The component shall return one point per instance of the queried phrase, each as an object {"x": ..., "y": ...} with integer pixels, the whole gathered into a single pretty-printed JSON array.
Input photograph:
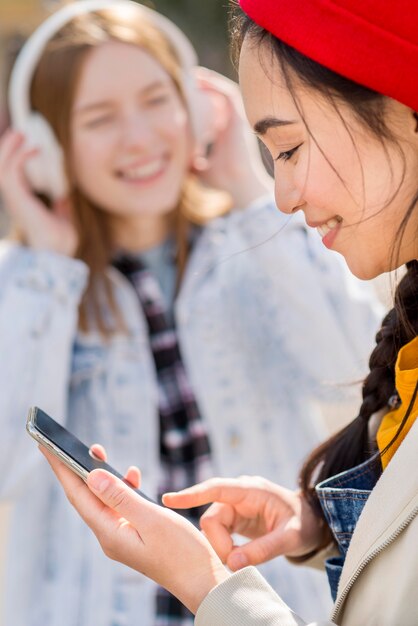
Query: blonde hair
[{"x": 52, "y": 94}]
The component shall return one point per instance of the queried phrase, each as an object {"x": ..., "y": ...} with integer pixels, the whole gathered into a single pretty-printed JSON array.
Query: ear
[{"x": 415, "y": 114}]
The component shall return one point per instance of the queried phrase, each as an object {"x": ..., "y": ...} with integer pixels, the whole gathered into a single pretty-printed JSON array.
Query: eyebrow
[
  {"x": 105, "y": 104},
  {"x": 92, "y": 107},
  {"x": 262, "y": 126}
]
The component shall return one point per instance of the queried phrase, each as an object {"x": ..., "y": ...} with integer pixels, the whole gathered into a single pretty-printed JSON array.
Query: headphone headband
[
  {"x": 46, "y": 171},
  {"x": 29, "y": 56}
]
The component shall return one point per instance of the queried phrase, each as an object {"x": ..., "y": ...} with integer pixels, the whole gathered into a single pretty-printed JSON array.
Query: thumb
[
  {"x": 254, "y": 552},
  {"x": 117, "y": 495}
]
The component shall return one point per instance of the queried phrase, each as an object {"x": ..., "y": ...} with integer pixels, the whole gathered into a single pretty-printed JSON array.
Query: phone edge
[{"x": 51, "y": 447}]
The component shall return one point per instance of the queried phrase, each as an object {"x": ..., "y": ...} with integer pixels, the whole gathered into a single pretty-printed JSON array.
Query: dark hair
[{"x": 350, "y": 446}]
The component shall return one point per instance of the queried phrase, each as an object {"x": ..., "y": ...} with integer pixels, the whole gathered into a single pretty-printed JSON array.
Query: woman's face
[
  {"x": 332, "y": 169},
  {"x": 131, "y": 142}
]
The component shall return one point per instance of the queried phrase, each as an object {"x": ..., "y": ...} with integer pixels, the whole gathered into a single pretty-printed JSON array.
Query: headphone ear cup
[{"x": 45, "y": 171}]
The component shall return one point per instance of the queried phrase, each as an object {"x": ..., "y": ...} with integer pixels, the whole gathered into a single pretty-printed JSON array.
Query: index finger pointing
[{"x": 226, "y": 490}]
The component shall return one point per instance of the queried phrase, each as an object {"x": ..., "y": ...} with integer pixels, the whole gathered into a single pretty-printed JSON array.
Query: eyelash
[
  {"x": 285, "y": 156},
  {"x": 99, "y": 121},
  {"x": 157, "y": 100}
]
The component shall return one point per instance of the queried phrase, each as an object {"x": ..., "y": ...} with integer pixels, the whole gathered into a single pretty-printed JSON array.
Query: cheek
[
  {"x": 328, "y": 179},
  {"x": 169, "y": 122},
  {"x": 174, "y": 127},
  {"x": 91, "y": 171},
  {"x": 180, "y": 147},
  {"x": 316, "y": 188},
  {"x": 88, "y": 156},
  {"x": 180, "y": 135}
]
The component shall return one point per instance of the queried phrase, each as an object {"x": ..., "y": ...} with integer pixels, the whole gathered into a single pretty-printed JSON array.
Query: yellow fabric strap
[{"x": 406, "y": 376}]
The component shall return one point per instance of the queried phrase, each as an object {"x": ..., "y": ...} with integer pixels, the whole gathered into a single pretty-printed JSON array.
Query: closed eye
[
  {"x": 156, "y": 100},
  {"x": 99, "y": 121},
  {"x": 285, "y": 156}
]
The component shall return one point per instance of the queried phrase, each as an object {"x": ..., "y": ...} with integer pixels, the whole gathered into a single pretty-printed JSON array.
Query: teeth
[
  {"x": 143, "y": 171},
  {"x": 332, "y": 223}
]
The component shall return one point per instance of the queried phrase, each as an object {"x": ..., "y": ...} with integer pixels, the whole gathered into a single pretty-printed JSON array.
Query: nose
[
  {"x": 136, "y": 131},
  {"x": 288, "y": 198}
]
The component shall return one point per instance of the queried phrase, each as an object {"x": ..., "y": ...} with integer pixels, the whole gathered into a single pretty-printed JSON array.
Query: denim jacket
[{"x": 269, "y": 324}]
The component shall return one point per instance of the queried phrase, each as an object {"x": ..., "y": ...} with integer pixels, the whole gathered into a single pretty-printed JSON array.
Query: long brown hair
[
  {"x": 53, "y": 90},
  {"x": 350, "y": 446}
]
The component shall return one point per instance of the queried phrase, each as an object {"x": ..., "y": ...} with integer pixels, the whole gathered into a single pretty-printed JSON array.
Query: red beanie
[{"x": 372, "y": 42}]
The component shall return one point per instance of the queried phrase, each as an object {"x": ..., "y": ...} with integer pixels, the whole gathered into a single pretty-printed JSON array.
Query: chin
[{"x": 364, "y": 272}]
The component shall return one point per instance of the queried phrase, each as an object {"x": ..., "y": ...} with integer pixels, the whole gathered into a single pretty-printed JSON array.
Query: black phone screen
[{"x": 73, "y": 447}]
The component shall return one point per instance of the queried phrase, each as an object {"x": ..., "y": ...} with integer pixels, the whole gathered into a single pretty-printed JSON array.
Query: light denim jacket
[{"x": 268, "y": 321}]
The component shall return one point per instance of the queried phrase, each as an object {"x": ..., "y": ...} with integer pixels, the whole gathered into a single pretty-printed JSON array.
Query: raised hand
[
  {"x": 277, "y": 520},
  {"x": 153, "y": 540},
  {"x": 234, "y": 163},
  {"x": 42, "y": 228}
]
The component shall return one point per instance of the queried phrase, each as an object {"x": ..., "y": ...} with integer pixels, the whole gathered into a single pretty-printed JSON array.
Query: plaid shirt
[{"x": 184, "y": 444}]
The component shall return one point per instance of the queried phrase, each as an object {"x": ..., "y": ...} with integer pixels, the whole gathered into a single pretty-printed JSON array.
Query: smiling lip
[
  {"x": 329, "y": 238},
  {"x": 312, "y": 224},
  {"x": 328, "y": 230},
  {"x": 144, "y": 174}
]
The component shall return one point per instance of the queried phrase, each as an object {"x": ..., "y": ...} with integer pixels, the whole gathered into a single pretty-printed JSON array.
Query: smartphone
[{"x": 64, "y": 445}]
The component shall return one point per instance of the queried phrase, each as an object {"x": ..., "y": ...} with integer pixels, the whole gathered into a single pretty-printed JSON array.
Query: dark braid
[{"x": 350, "y": 446}]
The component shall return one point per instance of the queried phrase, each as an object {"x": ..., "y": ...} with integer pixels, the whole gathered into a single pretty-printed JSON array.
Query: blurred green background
[{"x": 205, "y": 23}]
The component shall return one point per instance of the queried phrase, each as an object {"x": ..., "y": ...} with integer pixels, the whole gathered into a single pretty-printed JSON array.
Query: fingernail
[
  {"x": 237, "y": 561},
  {"x": 98, "y": 482}
]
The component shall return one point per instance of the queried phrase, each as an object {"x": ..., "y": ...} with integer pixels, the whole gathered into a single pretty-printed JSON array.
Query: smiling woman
[
  {"x": 131, "y": 141},
  {"x": 147, "y": 303},
  {"x": 322, "y": 171},
  {"x": 115, "y": 117}
]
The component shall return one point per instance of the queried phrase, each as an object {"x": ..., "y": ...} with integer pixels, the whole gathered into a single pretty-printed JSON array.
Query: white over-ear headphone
[{"x": 45, "y": 171}]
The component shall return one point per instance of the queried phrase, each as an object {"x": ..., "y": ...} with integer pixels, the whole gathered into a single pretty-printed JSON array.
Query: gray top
[{"x": 160, "y": 260}]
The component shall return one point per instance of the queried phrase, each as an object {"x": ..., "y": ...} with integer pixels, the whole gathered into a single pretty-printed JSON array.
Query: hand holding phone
[
  {"x": 153, "y": 540},
  {"x": 66, "y": 447}
]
